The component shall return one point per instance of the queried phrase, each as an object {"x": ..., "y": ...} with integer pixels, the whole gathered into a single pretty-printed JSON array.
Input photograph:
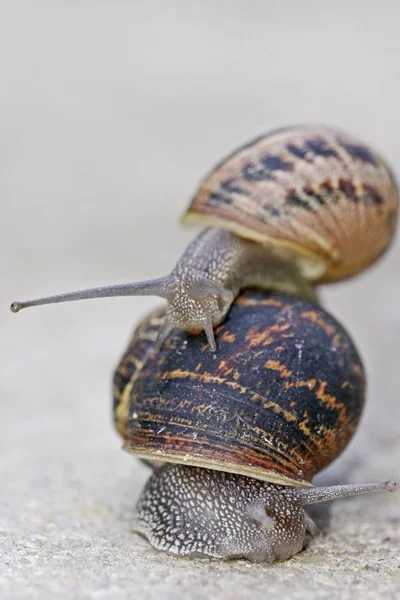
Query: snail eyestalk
[
  {"x": 198, "y": 303},
  {"x": 154, "y": 287},
  {"x": 324, "y": 494},
  {"x": 201, "y": 288},
  {"x": 16, "y": 306}
]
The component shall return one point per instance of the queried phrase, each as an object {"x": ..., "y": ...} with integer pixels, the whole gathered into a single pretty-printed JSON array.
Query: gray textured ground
[{"x": 110, "y": 114}]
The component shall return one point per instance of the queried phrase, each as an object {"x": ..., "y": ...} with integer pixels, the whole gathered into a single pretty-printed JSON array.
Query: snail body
[
  {"x": 215, "y": 267},
  {"x": 296, "y": 207},
  {"x": 236, "y": 439},
  {"x": 193, "y": 512}
]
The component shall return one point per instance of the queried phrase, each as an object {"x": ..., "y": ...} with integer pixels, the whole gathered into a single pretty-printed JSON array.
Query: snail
[
  {"x": 291, "y": 209},
  {"x": 236, "y": 438}
]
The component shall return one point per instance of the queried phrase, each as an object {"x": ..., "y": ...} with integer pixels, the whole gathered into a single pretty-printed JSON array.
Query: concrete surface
[{"x": 111, "y": 112}]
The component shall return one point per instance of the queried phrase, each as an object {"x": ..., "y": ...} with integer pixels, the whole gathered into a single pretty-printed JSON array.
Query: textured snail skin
[
  {"x": 218, "y": 256},
  {"x": 279, "y": 401},
  {"x": 196, "y": 512},
  {"x": 199, "y": 512}
]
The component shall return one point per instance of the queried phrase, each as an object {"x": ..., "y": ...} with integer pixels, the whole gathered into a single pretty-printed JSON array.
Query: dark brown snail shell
[{"x": 279, "y": 402}]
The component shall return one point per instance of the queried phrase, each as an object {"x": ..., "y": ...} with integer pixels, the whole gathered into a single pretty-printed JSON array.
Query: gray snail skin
[
  {"x": 196, "y": 512},
  {"x": 293, "y": 208}
]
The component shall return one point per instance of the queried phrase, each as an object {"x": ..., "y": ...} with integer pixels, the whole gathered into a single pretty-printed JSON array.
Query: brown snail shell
[
  {"x": 311, "y": 191},
  {"x": 280, "y": 401}
]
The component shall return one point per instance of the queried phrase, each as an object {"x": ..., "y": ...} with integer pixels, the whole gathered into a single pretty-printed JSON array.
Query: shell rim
[
  {"x": 314, "y": 269},
  {"x": 260, "y": 474}
]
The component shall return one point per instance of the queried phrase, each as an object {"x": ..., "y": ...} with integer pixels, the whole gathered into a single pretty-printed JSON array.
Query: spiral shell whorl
[
  {"x": 279, "y": 403},
  {"x": 313, "y": 192}
]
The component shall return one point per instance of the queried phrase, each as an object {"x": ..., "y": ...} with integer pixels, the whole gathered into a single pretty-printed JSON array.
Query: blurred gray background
[{"x": 111, "y": 113}]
